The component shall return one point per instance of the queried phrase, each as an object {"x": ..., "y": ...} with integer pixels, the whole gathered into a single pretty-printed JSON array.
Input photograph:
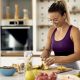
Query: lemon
[
  {"x": 35, "y": 72},
  {"x": 29, "y": 75}
]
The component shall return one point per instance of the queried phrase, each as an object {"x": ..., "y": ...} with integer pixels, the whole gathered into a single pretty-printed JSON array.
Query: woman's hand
[
  {"x": 49, "y": 61},
  {"x": 45, "y": 54}
]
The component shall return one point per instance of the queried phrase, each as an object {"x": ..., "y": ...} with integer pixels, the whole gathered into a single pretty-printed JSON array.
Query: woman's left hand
[{"x": 49, "y": 61}]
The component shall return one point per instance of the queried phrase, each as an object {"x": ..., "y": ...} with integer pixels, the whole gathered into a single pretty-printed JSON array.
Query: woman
[{"x": 63, "y": 38}]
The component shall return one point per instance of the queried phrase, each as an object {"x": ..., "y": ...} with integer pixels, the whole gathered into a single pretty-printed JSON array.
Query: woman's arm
[
  {"x": 47, "y": 50},
  {"x": 75, "y": 36}
]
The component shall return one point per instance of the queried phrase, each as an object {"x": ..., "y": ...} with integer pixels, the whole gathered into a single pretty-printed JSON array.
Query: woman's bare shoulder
[{"x": 75, "y": 31}]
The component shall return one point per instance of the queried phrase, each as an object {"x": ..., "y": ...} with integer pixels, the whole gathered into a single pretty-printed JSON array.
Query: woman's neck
[{"x": 63, "y": 27}]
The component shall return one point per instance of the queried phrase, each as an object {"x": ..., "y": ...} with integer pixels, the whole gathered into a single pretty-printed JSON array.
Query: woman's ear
[{"x": 65, "y": 16}]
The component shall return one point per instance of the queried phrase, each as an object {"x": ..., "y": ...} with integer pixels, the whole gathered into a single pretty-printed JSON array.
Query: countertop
[
  {"x": 36, "y": 61},
  {"x": 16, "y": 76}
]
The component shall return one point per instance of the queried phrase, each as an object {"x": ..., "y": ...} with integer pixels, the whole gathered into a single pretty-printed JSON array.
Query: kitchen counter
[
  {"x": 16, "y": 76},
  {"x": 36, "y": 61},
  {"x": 69, "y": 73}
]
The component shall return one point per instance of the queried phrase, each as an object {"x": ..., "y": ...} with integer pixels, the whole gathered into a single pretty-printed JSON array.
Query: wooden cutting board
[{"x": 56, "y": 70}]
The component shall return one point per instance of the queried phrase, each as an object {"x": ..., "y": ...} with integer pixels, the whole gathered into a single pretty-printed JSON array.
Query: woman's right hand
[{"x": 45, "y": 54}]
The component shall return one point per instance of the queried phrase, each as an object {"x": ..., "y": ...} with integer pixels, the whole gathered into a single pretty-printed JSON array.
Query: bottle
[
  {"x": 25, "y": 14},
  {"x": 28, "y": 60},
  {"x": 16, "y": 15},
  {"x": 7, "y": 12}
]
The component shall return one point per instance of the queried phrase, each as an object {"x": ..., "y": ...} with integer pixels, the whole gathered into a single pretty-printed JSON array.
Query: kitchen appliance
[
  {"x": 12, "y": 22},
  {"x": 16, "y": 39}
]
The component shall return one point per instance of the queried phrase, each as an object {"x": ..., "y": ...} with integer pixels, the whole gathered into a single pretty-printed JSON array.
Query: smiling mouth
[{"x": 56, "y": 22}]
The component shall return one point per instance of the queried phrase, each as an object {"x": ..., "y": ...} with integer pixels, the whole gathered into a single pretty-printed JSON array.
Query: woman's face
[{"x": 57, "y": 19}]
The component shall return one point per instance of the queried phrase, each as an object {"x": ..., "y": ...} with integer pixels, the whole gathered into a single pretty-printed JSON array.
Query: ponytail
[{"x": 63, "y": 2}]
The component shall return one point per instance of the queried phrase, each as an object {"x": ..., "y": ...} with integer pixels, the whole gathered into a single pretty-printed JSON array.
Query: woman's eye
[{"x": 51, "y": 20}]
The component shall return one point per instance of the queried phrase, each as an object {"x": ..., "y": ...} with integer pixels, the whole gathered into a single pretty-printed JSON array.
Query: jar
[{"x": 28, "y": 60}]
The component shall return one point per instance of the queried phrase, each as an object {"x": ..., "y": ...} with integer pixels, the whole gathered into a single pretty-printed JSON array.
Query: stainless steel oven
[{"x": 16, "y": 39}]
